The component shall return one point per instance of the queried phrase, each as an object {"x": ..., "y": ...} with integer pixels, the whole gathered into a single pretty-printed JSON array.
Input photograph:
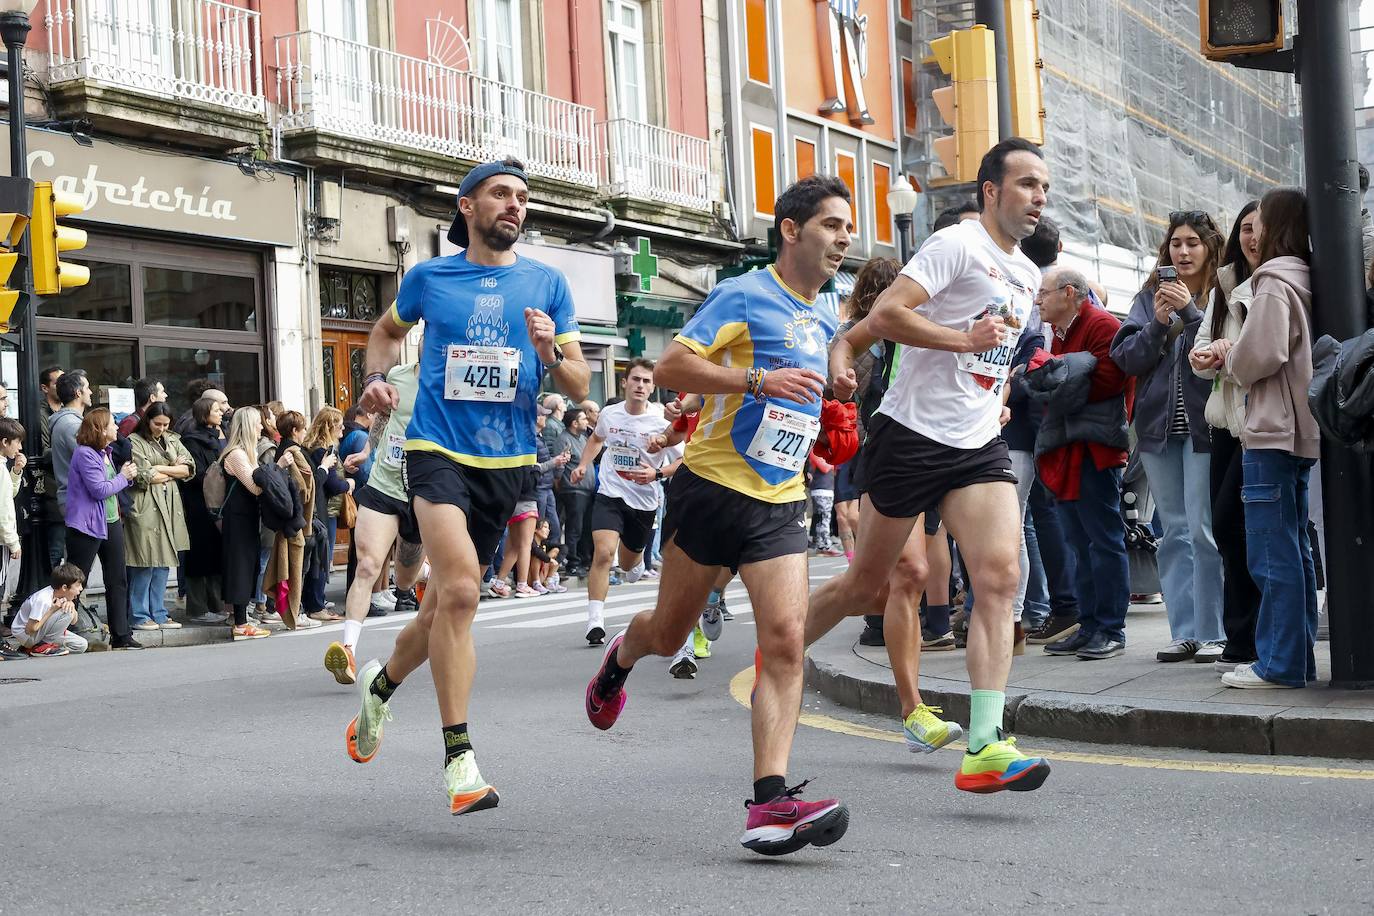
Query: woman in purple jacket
[{"x": 93, "y": 525}]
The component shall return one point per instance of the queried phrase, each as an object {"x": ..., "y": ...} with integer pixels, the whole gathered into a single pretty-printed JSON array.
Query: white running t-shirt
[
  {"x": 956, "y": 398},
  {"x": 627, "y": 437}
]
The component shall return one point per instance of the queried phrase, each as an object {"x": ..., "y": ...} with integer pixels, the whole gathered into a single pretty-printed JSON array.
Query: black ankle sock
[
  {"x": 456, "y": 741},
  {"x": 612, "y": 675},
  {"x": 383, "y": 686},
  {"x": 937, "y": 619},
  {"x": 768, "y": 788}
]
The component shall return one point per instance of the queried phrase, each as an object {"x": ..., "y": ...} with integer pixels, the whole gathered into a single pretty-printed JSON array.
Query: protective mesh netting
[{"x": 1138, "y": 123}]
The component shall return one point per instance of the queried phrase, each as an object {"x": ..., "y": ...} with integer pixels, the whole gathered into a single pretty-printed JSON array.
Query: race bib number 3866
[
  {"x": 784, "y": 438},
  {"x": 481, "y": 373}
]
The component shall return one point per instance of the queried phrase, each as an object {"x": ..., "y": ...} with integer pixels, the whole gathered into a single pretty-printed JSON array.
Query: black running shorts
[
  {"x": 718, "y": 526},
  {"x": 487, "y": 496},
  {"x": 635, "y": 526},
  {"x": 377, "y": 501},
  {"x": 904, "y": 474}
]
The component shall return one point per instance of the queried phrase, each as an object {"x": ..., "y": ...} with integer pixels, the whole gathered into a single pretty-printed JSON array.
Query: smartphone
[{"x": 1168, "y": 273}]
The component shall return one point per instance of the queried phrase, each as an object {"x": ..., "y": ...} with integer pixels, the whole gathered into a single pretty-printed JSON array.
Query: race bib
[
  {"x": 481, "y": 373},
  {"x": 622, "y": 458},
  {"x": 784, "y": 438},
  {"x": 992, "y": 367},
  {"x": 395, "y": 450}
]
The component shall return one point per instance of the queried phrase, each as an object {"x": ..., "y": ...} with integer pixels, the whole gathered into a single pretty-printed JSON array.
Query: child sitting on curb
[{"x": 41, "y": 625}]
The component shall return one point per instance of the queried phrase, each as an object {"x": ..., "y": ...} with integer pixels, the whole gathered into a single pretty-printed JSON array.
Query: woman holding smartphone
[{"x": 1173, "y": 433}]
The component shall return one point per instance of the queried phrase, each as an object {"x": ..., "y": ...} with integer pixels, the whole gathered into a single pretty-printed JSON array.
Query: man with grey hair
[
  {"x": 1080, "y": 453},
  {"x": 553, "y": 420}
]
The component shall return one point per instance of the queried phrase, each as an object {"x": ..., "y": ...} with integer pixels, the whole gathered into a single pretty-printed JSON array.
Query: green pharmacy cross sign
[{"x": 644, "y": 264}]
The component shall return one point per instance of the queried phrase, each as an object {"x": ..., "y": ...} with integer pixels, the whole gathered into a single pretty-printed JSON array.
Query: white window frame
[
  {"x": 342, "y": 88},
  {"x": 618, "y": 35},
  {"x": 485, "y": 13}
]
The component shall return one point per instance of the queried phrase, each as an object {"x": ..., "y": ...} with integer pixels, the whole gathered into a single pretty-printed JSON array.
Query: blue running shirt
[
  {"x": 758, "y": 449},
  {"x": 479, "y": 373}
]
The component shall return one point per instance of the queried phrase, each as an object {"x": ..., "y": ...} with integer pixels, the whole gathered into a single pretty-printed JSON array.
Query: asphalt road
[{"x": 214, "y": 779}]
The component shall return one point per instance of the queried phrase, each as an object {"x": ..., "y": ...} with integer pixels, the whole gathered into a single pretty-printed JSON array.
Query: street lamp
[
  {"x": 901, "y": 200},
  {"x": 14, "y": 31}
]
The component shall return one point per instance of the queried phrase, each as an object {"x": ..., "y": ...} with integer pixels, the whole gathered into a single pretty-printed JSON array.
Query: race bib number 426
[
  {"x": 481, "y": 373},
  {"x": 784, "y": 438}
]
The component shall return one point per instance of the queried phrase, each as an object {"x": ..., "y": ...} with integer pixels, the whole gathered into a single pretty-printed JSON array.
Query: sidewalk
[{"x": 1132, "y": 699}]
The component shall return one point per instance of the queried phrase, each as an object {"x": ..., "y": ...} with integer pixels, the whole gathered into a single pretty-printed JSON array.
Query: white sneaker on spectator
[
  {"x": 1210, "y": 651},
  {"x": 305, "y": 623},
  {"x": 1245, "y": 677},
  {"x": 384, "y": 599}
]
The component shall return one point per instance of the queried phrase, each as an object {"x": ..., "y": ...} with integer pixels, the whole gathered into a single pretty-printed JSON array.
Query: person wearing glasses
[{"x": 1171, "y": 426}]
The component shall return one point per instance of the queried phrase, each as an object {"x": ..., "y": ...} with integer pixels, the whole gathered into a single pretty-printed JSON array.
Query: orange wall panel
[
  {"x": 845, "y": 170},
  {"x": 756, "y": 38},
  {"x": 882, "y": 214},
  {"x": 909, "y": 96},
  {"x": 906, "y": 9},
  {"x": 800, "y": 35},
  {"x": 765, "y": 182},
  {"x": 805, "y": 155}
]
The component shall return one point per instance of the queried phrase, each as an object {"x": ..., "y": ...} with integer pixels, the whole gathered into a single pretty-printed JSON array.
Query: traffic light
[
  {"x": 1023, "y": 70},
  {"x": 48, "y": 241},
  {"x": 970, "y": 105},
  {"x": 1234, "y": 28},
  {"x": 16, "y": 199}
]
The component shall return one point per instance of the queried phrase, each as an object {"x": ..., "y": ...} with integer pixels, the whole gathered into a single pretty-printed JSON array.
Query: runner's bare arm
[
  {"x": 589, "y": 453},
  {"x": 383, "y": 353},
  {"x": 857, "y": 339},
  {"x": 894, "y": 318},
  {"x": 572, "y": 375},
  {"x": 684, "y": 370},
  {"x": 670, "y": 436}
]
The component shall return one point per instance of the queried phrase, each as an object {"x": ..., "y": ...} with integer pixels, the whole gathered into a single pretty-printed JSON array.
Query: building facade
[{"x": 261, "y": 173}]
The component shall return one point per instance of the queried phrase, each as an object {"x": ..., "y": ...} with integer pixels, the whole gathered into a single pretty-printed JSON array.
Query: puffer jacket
[
  {"x": 1146, "y": 349},
  {"x": 1062, "y": 384},
  {"x": 1226, "y": 405}
]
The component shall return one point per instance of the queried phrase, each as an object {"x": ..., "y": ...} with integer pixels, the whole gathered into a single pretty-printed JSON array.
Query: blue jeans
[
  {"x": 261, "y": 596},
  {"x": 147, "y": 593},
  {"x": 1094, "y": 527},
  {"x": 1280, "y": 559},
  {"x": 1037, "y": 607},
  {"x": 1190, "y": 572},
  {"x": 1057, "y": 559}
]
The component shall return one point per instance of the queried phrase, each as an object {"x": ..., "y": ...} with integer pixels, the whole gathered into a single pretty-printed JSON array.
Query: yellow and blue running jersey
[{"x": 758, "y": 448}]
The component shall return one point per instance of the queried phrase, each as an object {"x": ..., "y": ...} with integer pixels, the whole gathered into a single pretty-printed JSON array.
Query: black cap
[{"x": 458, "y": 232}]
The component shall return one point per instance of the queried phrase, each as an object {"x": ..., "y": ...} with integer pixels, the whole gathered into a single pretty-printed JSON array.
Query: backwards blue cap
[{"x": 458, "y": 232}]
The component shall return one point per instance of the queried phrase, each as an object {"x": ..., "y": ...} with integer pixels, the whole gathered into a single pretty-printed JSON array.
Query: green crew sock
[{"x": 985, "y": 718}]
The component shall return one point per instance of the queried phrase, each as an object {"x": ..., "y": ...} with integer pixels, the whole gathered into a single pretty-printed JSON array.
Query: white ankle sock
[
  {"x": 352, "y": 630},
  {"x": 595, "y": 610}
]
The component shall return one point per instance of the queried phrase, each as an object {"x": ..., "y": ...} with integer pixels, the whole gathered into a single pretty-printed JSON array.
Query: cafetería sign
[{"x": 124, "y": 186}]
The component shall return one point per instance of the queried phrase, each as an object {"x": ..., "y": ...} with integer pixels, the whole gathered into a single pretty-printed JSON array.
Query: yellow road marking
[{"x": 741, "y": 684}]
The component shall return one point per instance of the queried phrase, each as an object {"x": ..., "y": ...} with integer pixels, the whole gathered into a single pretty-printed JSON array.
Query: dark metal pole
[
  {"x": 1333, "y": 200},
  {"x": 993, "y": 14},
  {"x": 904, "y": 236},
  {"x": 14, "y": 30}
]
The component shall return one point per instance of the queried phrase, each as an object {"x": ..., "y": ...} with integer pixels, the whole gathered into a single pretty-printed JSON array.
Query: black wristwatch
[
  {"x": 658, "y": 473},
  {"x": 557, "y": 359}
]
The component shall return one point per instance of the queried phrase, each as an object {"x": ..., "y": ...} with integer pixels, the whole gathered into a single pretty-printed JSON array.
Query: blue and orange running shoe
[{"x": 1000, "y": 766}]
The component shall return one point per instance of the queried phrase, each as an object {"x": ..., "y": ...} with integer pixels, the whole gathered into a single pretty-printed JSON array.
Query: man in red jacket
[{"x": 1085, "y": 475}]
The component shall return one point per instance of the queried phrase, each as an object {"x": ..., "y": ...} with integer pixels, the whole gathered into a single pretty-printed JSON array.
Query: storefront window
[
  {"x": 235, "y": 372},
  {"x": 108, "y": 297},
  {"x": 190, "y": 299},
  {"x": 107, "y": 362}
]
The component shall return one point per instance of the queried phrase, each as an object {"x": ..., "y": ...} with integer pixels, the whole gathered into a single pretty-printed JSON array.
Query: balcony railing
[
  {"x": 198, "y": 50},
  {"x": 652, "y": 163},
  {"x": 355, "y": 90}
]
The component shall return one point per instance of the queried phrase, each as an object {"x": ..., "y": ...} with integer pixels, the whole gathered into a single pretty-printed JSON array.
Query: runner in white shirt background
[
  {"x": 958, "y": 309},
  {"x": 628, "y": 489}
]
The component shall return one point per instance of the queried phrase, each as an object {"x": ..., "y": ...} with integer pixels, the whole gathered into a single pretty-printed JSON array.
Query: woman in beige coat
[
  {"x": 283, "y": 578},
  {"x": 155, "y": 528}
]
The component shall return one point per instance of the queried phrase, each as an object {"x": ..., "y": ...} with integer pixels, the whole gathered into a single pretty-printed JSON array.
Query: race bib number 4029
[
  {"x": 481, "y": 373},
  {"x": 784, "y": 438}
]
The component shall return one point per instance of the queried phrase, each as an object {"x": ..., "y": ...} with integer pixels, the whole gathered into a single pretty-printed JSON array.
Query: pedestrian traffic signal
[
  {"x": 970, "y": 104},
  {"x": 48, "y": 241},
  {"x": 16, "y": 200},
  {"x": 1234, "y": 28},
  {"x": 1023, "y": 70}
]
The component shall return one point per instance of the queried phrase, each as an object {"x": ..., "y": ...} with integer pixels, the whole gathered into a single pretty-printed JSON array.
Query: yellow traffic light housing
[
  {"x": 48, "y": 241},
  {"x": 1023, "y": 70},
  {"x": 970, "y": 104},
  {"x": 1236, "y": 28},
  {"x": 16, "y": 199}
]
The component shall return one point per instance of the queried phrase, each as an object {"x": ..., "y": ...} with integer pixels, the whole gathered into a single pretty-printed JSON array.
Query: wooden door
[{"x": 345, "y": 366}]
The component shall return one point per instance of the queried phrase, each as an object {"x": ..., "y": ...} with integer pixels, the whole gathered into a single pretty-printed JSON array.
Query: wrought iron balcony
[
  {"x": 642, "y": 161},
  {"x": 342, "y": 87}
]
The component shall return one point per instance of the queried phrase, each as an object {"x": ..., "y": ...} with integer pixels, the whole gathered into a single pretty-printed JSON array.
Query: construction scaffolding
[{"x": 1138, "y": 123}]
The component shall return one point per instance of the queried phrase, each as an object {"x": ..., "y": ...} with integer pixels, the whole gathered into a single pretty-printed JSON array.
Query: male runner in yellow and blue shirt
[{"x": 757, "y": 351}]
